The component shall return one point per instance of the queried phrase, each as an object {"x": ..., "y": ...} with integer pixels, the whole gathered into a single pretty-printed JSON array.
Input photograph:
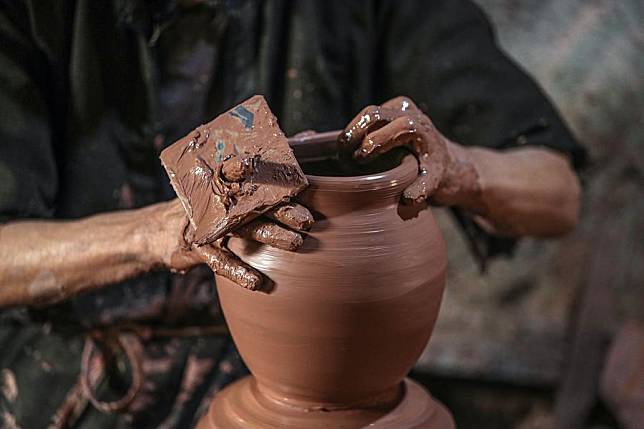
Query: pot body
[{"x": 344, "y": 318}]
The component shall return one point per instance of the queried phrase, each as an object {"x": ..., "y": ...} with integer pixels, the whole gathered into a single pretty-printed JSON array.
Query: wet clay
[
  {"x": 244, "y": 407},
  {"x": 346, "y": 316},
  {"x": 232, "y": 169}
]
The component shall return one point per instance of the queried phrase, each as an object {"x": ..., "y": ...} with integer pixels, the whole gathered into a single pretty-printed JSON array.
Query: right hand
[
  {"x": 173, "y": 239},
  {"x": 444, "y": 172}
]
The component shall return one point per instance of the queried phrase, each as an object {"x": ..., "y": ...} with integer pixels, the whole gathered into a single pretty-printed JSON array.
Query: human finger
[
  {"x": 293, "y": 215},
  {"x": 270, "y": 233},
  {"x": 424, "y": 186},
  {"x": 398, "y": 132},
  {"x": 369, "y": 119},
  {"x": 402, "y": 103},
  {"x": 226, "y": 264}
]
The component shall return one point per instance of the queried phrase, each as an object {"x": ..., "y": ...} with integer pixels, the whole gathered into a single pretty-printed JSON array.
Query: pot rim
[
  {"x": 400, "y": 176},
  {"x": 319, "y": 146}
]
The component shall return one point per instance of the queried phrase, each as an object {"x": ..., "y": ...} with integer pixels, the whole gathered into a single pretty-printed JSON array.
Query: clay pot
[{"x": 344, "y": 319}]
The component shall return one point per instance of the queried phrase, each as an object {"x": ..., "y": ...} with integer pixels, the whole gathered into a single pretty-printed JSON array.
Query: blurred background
[
  {"x": 558, "y": 328},
  {"x": 555, "y": 333}
]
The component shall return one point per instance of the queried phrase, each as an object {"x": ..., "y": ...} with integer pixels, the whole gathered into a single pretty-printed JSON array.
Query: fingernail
[
  {"x": 360, "y": 153},
  {"x": 306, "y": 223},
  {"x": 297, "y": 242},
  {"x": 286, "y": 240},
  {"x": 250, "y": 281}
]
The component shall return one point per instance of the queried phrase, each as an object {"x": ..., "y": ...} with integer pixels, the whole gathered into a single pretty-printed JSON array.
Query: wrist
[
  {"x": 155, "y": 235},
  {"x": 460, "y": 185}
]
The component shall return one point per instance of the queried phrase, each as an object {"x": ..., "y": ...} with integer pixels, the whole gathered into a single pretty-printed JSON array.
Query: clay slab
[{"x": 247, "y": 140}]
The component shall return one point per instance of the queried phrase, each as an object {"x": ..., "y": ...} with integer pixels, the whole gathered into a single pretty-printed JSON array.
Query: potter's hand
[
  {"x": 57, "y": 260},
  {"x": 179, "y": 254},
  {"x": 502, "y": 189},
  {"x": 399, "y": 122}
]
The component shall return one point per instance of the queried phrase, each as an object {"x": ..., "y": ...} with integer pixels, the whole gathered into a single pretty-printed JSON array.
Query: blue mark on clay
[
  {"x": 219, "y": 154},
  {"x": 244, "y": 115}
]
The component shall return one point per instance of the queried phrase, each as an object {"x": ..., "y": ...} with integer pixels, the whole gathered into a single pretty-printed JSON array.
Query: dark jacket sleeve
[
  {"x": 28, "y": 172},
  {"x": 444, "y": 55}
]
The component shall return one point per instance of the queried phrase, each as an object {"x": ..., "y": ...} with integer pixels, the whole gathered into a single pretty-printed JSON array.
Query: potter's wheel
[{"x": 242, "y": 406}]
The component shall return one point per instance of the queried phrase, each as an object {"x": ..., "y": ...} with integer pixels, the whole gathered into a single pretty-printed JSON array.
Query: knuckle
[
  {"x": 396, "y": 101},
  {"x": 371, "y": 113},
  {"x": 371, "y": 109},
  {"x": 404, "y": 103},
  {"x": 370, "y": 143},
  {"x": 402, "y": 100}
]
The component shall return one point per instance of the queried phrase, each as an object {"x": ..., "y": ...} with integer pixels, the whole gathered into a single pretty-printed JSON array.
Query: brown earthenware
[{"x": 343, "y": 320}]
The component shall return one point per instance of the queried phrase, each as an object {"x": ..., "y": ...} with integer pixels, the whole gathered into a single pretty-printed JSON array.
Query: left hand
[
  {"x": 399, "y": 122},
  {"x": 280, "y": 227}
]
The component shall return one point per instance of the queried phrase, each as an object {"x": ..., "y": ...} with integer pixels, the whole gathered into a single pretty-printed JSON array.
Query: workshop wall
[{"x": 517, "y": 322}]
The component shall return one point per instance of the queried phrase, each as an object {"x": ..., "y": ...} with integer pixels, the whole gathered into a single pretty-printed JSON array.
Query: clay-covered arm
[
  {"x": 48, "y": 261},
  {"x": 526, "y": 191}
]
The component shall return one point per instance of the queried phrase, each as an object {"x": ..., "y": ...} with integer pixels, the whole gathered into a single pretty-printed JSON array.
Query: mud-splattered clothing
[{"x": 92, "y": 91}]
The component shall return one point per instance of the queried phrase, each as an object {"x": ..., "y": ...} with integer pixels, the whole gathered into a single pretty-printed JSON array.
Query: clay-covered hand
[
  {"x": 442, "y": 168},
  {"x": 281, "y": 227}
]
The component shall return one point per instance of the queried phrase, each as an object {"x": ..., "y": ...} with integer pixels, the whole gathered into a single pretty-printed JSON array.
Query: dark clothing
[{"x": 92, "y": 91}]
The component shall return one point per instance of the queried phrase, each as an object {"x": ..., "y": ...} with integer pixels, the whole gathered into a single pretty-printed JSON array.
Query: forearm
[
  {"x": 525, "y": 191},
  {"x": 48, "y": 261}
]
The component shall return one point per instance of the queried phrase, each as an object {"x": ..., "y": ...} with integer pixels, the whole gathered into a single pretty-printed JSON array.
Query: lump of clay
[{"x": 232, "y": 169}]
